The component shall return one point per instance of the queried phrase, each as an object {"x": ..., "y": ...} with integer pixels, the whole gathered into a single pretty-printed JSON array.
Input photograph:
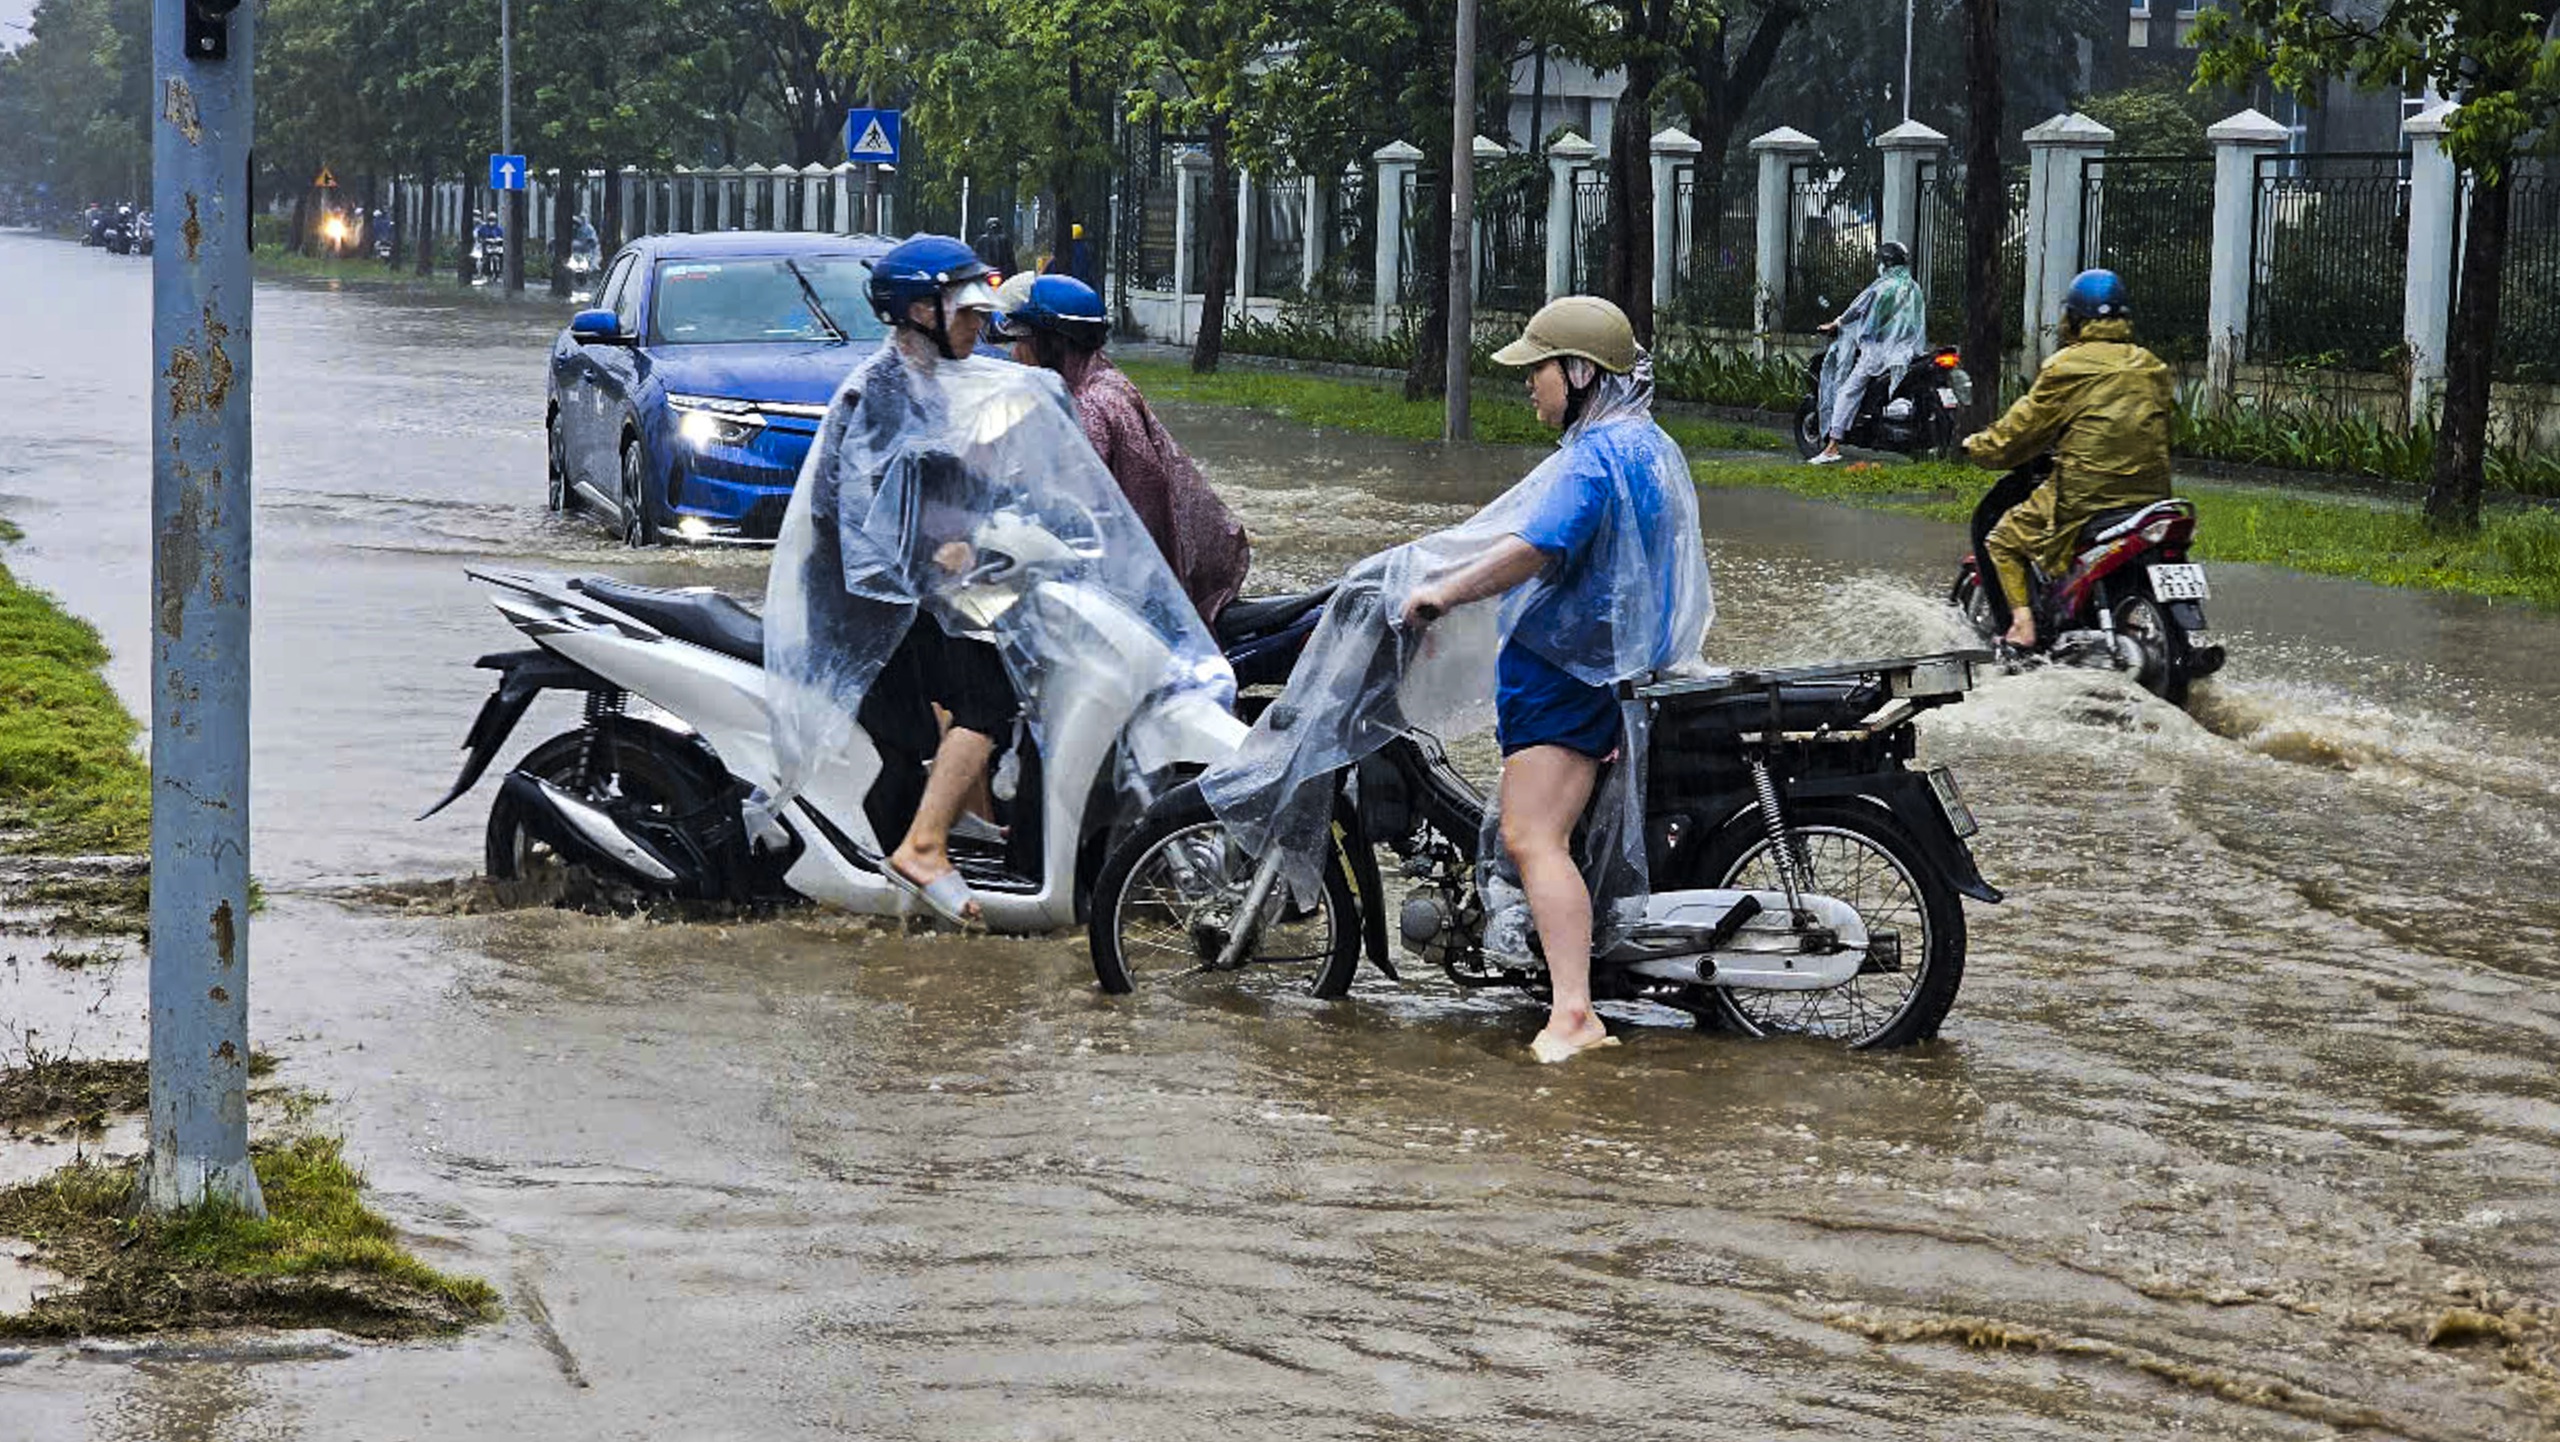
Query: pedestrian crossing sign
[{"x": 871, "y": 136}]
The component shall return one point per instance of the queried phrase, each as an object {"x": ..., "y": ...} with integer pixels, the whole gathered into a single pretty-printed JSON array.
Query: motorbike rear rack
[{"x": 1914, "y": 683}]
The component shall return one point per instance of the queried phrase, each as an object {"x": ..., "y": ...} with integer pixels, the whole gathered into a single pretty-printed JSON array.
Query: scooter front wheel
[{"x": 1165, "y": 907}]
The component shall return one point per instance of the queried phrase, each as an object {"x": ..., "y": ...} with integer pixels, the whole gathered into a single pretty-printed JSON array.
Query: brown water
[{"x": 2248, "y": 1087}]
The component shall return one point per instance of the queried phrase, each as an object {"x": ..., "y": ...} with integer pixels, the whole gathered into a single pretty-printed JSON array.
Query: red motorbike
[{"x": 2131, "y": 601}]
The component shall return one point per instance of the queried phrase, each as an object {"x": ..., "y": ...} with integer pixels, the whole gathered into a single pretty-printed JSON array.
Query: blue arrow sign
[
  {"x": 506, "y": 172},
  {"x": 871, "y": 136}
]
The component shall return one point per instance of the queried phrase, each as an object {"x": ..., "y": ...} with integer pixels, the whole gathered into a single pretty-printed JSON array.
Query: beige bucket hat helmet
[{"x": 1576, "y": 325}]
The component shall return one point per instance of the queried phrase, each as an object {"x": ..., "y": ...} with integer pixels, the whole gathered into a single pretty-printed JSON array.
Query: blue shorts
[{"x": 1538, "y": 703}]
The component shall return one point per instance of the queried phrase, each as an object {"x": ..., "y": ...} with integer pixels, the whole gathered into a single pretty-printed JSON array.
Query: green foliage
[
  {"x": 2158, "y": 118},
  {"x": 74, "y": 102},
  {"x": 1690, "y": 370},
  {"x": 70, "y": 781},
  {"x": 2334, "y": 441}
]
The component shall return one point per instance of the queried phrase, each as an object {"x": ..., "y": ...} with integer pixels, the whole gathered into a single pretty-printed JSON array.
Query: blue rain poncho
[
  {"x": 1881, "y": 333},
  {"x": 1363, "y": 680},
  {"x": 915, "y": 457}
]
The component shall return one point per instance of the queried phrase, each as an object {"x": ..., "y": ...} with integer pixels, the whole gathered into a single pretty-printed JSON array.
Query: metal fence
[
  {"x": 1715, "y": 256},
  {"x": 2329, "y": 251},
  {"x": 1940, "y": 263},
  {"x": 1418, "y": 192},
  {"x": 1348, "y": 267},
  {"x": 1511, "y": 240},
  {"x": 2529, "y": 293},
  {"x": 2149, "y": 218},
  {"x": 1590, "y": 230},
  {"x": 1831, "y": 246}
]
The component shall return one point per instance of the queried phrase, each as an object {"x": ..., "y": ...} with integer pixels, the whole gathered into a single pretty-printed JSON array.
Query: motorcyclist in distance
[
  {"x": 2101, "y": 405},
  {"x": 1882, "y": 331}
]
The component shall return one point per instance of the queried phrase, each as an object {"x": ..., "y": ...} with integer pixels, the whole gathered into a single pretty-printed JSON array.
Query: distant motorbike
[
  {"x": 1808, "y": 881},
  {"x": 93, "y": 225},
  {"x": 1918, "y": 417},
  {"x": 488, "y": 253},
  {"x": 117, "y": 232},
  {"x": 142, "y": 237},
  {"x": 654, "y": 805},
  {"x": 2131, "y": 602}
]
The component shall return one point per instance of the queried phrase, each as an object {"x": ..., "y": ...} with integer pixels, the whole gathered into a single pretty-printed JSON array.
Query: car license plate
[
  {"x": 1951, "y": 801},
  {"x": 2179, "y": 583},
  {"x": 1947, "y": 397}
]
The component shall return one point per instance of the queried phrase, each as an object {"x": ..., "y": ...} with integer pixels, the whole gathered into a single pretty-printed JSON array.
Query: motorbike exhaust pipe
[{"x": 583, "y": 832}]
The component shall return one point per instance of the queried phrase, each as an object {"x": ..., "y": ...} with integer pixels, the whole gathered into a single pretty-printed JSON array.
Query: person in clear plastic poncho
[
  {"x": 1600, "y": 576},
  {"x": 1881, "y": 333},
  {"x": 879, "y": 598}
]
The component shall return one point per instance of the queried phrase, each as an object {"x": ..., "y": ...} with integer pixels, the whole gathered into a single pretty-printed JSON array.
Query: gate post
[
  {"x": 1670, "y": 148},
  {"x": 2238, "y": 141},
  {"x": 2434, "y": 199},
  {"x": 1777, "y": 150},
  {"x": 1906, "y": 148},
  {"x": 1247, "y": 274},
  {"x": 1565, "y": 159},
  {"x": 1186, "y": 167},
  {"x": 1396, "y": 160},
  {"x": 2058, "y": 154}
]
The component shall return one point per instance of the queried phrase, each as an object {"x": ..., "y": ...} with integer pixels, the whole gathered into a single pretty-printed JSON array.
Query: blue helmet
[
  {"x": 919, "y": 268},
  {"x": 1064, "y": 306},
  {"x": 2096, "y": 295}
]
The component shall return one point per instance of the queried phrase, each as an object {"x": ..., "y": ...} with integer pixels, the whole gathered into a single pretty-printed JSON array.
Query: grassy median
[
  {"x": 71, "y": 782},
  {"x": 2381, "y": 538}
]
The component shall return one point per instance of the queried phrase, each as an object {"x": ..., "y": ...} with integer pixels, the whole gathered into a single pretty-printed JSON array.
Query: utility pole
[
  {"x": 515, "y": 199},
  {"x": 201, "y": 53},
  {"x": 1906, "y": 59},
  {"x": 1460, "y": 425}
]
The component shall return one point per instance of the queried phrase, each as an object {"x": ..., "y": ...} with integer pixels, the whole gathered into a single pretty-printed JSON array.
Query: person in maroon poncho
[{"x": 1060, "y": 325}]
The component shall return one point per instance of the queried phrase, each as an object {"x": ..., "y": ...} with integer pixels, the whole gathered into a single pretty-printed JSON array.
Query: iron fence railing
[
  {"x": 1348, "y": 269},
  {"x": 2329, "y": 259},
  {"x": 1714, "y": 262},
  {"x": 1511, "y": 244},
  {"x": 1590, "y": 231},
  {"x": 2528, "y": 347},
  {"x": 1831, "y": 246},
  {"x": 2149, "y": 218},
  {"x": 1279, "y": 231},
  {"x": 1418, "y": 193},
  {"x": 1940, "y": 261}
]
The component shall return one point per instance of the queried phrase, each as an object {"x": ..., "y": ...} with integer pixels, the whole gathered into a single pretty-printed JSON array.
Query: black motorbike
[
  {"x": 1807, "y": 881},
  {"x": 117, "y": 233},
  {"x": 1921, "y": 416}
]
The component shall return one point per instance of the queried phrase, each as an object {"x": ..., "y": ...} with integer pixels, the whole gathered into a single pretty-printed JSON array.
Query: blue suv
[{"x": 683, "y": 404}]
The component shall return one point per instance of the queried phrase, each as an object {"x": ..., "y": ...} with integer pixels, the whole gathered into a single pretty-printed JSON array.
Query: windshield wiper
[{"x": 817, "y": 307}]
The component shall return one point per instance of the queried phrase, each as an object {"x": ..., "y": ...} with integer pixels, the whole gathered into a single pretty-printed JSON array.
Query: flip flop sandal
[
  {"x": 1549, "y": 1051},
  {"x": 947, "y": 896}
]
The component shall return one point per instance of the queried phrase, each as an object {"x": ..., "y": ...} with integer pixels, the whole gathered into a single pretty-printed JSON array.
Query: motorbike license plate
[
  {"x": 1942, "y": 782},
  {"x": 2179, "y": 583},
  {"x": 1947, "y": 397}
]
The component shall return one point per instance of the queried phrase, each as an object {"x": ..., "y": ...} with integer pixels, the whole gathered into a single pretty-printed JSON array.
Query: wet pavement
[{"x": 2247, "y": 1095}]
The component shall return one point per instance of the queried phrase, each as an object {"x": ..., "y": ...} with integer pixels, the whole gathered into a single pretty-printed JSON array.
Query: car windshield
[{"x": 714, "y": 302}]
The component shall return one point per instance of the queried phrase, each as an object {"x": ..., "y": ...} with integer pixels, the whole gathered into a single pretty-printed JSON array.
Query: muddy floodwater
[{"x": 2245, "y": 1125}]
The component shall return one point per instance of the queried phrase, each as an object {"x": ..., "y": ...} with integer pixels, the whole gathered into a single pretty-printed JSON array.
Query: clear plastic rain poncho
[
  {"x": 1363, "y": 679},
  {"x": 1888, "y": 322},
  {"x": 913, "y": 457}
]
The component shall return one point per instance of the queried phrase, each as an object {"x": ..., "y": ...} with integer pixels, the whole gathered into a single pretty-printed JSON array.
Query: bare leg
[
  {"x": 959, "y": 767},
  {"x": 1544, "y": 789},
  {"x": 981, "y": 800}
]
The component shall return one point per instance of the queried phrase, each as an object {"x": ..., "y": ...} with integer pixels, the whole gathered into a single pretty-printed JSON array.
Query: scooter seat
[
  {"x": 2124, "y": 520},
  {"x": 695, "y": 614},
  {"x": 1245, "y": 619}
]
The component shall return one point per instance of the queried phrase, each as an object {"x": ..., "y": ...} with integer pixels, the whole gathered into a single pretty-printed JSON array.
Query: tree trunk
[
  {"x": 610, "y": 239},
  {"x": 1627, "y": 276},
  {"x": 1427, "y": 373},
  {"x": 564, "y": 201},
  {"x": 1986, "y": 211},
  {"x": 1212, "y": 339},
  {"x": 295, "y": 241},
  {"x": 1726, "y": 88},
  {"x": 2462, "y": 450},
  {"x": 426, "y": 219}
]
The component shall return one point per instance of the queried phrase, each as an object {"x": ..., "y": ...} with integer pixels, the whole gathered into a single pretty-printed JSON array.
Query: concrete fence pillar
[
  {"x": 1671, "y": 149},
  {"x": 2435, "y": 202},
  {"x": 2058, "y": 154},
  {"x": 1778, "y": 152},
  {"x": 1565, "y": 161},
  {"x": 1396, "y": 161},
  {"x": 1248, "y": 270},
  {"x": 1310, "y": 233},
  {"x": 2238, "y": 141},
  {"x": 1188, "y": 168},
  {"x": 844, "y": 199},
  {"x": 813, "y": 182},
  {"x": 1906, "y": 148}
]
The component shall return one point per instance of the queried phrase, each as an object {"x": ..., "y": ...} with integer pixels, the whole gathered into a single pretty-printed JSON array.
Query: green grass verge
[
  {"x": 2515, "y": 556},
  {"x": 1377, "y": 409},
  {"x": 319, "y": 1258},
  {"x": 70, "y": 779}
]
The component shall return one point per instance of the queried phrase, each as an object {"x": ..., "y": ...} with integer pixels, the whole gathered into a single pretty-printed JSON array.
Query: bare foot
[
  {"x": 924, "y": 869},
  {"x": 2022, "y": 632}
]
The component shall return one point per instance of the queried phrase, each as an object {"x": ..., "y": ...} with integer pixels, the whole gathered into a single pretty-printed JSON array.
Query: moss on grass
[
  {"x": 47, "y": 1093},
  {"x": 70, "y": 780},
  {"x": 319, "y": 1258},
  {"x": 1377, "y": 409}
]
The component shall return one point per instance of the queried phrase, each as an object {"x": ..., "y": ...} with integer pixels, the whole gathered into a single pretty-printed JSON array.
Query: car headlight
[{"x": 707, "y": 421}]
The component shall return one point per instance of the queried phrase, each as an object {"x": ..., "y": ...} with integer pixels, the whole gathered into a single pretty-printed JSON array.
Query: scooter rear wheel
[
  {"x": 1165, "y": 898},
  {"x": 2167, "y": 668},
  {"x": 1808, "y": 429},
  {"x": 649, "y": 772}
]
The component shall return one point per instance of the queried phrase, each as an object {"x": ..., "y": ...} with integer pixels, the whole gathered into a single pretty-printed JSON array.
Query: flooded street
[{"x": 2244, "y": 1125}]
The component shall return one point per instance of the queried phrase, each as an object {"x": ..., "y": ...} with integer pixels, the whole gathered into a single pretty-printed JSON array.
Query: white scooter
[{"x": 652, "y": 797}]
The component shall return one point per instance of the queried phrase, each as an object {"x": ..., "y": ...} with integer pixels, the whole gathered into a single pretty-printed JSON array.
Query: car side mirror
[{"x": 597, "y": 327}]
